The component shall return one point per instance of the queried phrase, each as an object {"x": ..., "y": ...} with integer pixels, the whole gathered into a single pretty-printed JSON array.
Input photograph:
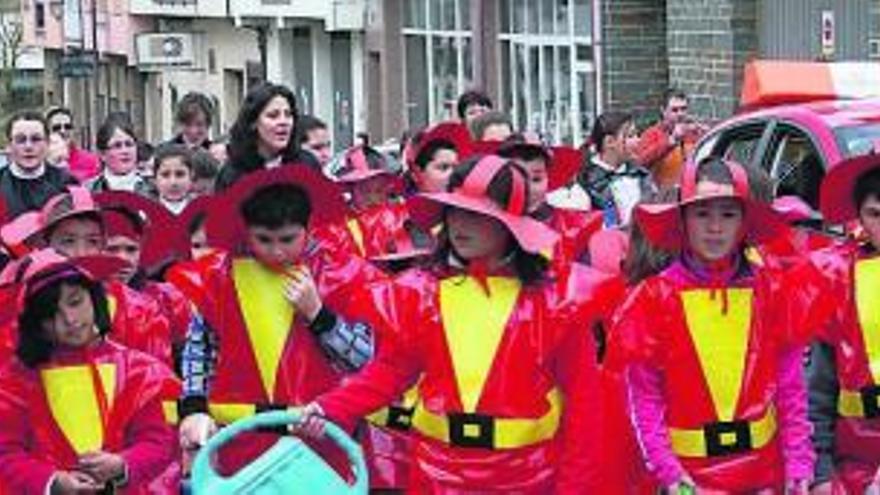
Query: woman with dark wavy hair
[{"x": 262, "y": 136}]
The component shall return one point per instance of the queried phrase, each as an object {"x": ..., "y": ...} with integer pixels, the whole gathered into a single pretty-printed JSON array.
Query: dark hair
[
  {"x": 674, "y": 93},
  {"x": 643, "y": 259},
  {"x": 306, "y": 124},
  {"x": 243, "y": 136},
  {"x": 28, "y": 115},
  {"x": 426, "y": 154},
  {"x": 867, "y": 186},
  {"x": 167, "y": 151},
  {"x": 92, "y": 216},
  {"x": 469, "y": 98},
  {"x": 196, "y": 222},
  {"x": 204, "y": 165},
  {"x": 530, "y": 268},
  {"x": 111, "y": 124},
  {"x": 375, "y": 161},
  {"x": 607, "y": 124},
  {"x": 714, "y": 169},
  {"x": 517, "y": 146},
  {"x": 58, "y": 111},
  {"x": 145, "y": 151},
  {"x": 277, "y": 205},
  {"x": 191, "y": 105},
  {"x": 488, "y": 119},
  {"x": 33, "y": 347}
]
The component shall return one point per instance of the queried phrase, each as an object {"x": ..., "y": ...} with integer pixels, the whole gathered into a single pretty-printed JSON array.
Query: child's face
[
  {"x": 173, "y": 179},
  {"x": 714, "y": 227},
  {"x": 129, "y": 250},
  {"x": 75, "y": 237},
  {"x": 198, "y": 243},
  {"x": 435, "y": 176},
  {"x": 279, "y": 247},
  {"x": 538, "y": 181},
  {"x": 476, "y": 236},
  {"x": 869, "y": 216},
  {"x": 371, "y": 192},
  {"x": 74, "y": 323}
]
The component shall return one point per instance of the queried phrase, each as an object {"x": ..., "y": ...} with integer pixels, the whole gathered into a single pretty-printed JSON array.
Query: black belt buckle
[
  {"x": 871, "y": 401},
  {"x": 727, "y": 437},
  {"x": 269, "y": 407},
  {"x": 400, "y": 418},
  {"x": 471, "y": 430}
]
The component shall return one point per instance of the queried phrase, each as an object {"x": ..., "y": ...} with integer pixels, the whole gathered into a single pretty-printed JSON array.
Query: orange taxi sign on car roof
[{"x": 776, "y": 82}]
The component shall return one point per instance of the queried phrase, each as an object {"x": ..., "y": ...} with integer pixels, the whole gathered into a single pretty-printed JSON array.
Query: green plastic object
[{"x": 289, "y": 467}]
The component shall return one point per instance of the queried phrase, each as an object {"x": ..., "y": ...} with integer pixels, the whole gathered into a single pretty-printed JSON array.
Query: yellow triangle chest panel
[
  {"x": 268, "y": 315},
  {"x": 73, "y": 402},
  {"x": 867, "y": 282},
  {"x": 474, "y": 324},
  {"x": 721, "y": 342},
  {"x": 357, "y": 234}
]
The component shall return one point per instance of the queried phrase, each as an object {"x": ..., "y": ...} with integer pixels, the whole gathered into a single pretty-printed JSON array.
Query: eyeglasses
[
  {"x": 62, "y": 127},
  {"x": 118, "y": 145},
  {"x": 21, "y": 139}
]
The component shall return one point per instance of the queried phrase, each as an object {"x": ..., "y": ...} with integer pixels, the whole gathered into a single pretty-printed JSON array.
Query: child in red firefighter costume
[
  {"x": 712, "y": 362},
  {"x": 844, "y": 369},
  {"x": 273, "y": 335},
  {"x": 506, "y": 394},
  {"x": 71, "y": 223},
  {"x": 80, "y": 413},
  {"x": 433, "y": 153},
  {"x": 140, "y": 231}
]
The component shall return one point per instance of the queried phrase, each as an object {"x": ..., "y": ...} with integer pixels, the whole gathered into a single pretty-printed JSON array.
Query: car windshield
[{"x": 858, "y": 139}]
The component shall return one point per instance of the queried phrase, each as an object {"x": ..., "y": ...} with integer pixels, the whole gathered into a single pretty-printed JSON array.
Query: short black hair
[
  {"x": 191, "y": 105},
  {"x": 145, "y": 151},
  {"x": 58, "y": 111},
  {"x": 204, "y": 165},
  {"x": 33, "y": 347},
  {"x": 488, "y": 119},
  {"x": 167, "y": 151},
  {"x": 674, "y": 93},
  {"x": 307, "y": 124},
  {"x": 469, "y": 98},
  {"x": 277, "y": 205},
  {"x": 867, "y": 186},
  {"x": 28, "y": 115},
  {"x": 608, "y": 124},
  {"x": 427, "y": 152}
]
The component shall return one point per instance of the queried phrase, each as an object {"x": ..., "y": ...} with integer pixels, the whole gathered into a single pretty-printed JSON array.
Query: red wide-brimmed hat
[
  {"x": 394, "y": 236},
  {"x": 353, "y": 166},
  {"x": 836, "y": 195},
  {"x": 662, "y": 223},
  {"x": 75, "y": 200},
  {"x": 224, "y": 225},
  {"x": 532, "y": 235},
  {"x": 563, "y": 162},
  {"x": 146, "y": 221},
  {"x": 454, "y": 133}
]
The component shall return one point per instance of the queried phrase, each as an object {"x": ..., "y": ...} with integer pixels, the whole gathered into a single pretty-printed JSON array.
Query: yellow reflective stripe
[
  {"x": 867, "y": 288},
  {"x": 267, "y": 313},
  {"x": 510, "y": 433},
  {"x": 753, "y": 256},
  {"x": 692, "y": 443},
  {"x": 357, "y": 234},
  {"x": 474, "y": 324},
  {"x": 226, "y": 414},
  {"x": 850, "y": 405},
  {"x": 547, "y": 253},
  {"x": 721, "y": 341},
  {"x": 112, "y": 305},
  {"x": 409, "y": 401},
  {"x": 169, "y": 410},
  {"x": 73, "y": 402}
]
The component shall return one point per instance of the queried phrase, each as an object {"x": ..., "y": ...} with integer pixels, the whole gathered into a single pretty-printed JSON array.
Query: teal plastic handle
[{"x": 352, "y": 450}]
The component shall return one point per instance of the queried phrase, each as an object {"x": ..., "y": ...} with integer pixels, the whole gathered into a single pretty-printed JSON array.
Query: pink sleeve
[
  {"x": 648, "y": 415},
  {"x": 794, "y": 425}
]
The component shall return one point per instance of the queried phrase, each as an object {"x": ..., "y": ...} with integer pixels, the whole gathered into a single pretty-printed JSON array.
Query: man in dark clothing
[{"x": 27, "y": 182}]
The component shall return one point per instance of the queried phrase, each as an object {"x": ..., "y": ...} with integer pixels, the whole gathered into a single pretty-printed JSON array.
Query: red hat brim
[
  {"x": 17, "y": 234},
  {"x": 161, "y": 238},
  {"x": 99, "y": 267},
  {"x": 793, "y": 209},
  {"x": 836, "y": 194},
  {"x": 532, "y": 235},
  {"x": 224, "y": 225},
  {"x": 662, "y": 223}
]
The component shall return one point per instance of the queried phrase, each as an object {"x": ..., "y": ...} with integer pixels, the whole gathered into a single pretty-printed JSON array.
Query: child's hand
[
  {"x": 102, "y": 466},
  {"x": 311, "y": 424},
  {"x": 302, "y": 293}
]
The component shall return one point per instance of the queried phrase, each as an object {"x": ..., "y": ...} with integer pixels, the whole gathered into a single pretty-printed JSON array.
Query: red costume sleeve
[
  {"x": 653, "y": 145},
  {"x": 150, "y": 437},
  {"x": 575, "y": 369},
  {"x": 20, "y": 471}
]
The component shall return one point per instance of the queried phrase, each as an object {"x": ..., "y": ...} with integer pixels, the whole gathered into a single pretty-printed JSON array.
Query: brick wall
[
  {"x": 634, "y": 53},
  {"x": 708, "y": 42}
]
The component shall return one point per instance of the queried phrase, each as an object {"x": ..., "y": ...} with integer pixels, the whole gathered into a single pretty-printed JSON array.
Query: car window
[
  {"x": 796, "y": 167},
  {"x": 740, "y": 143}
]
